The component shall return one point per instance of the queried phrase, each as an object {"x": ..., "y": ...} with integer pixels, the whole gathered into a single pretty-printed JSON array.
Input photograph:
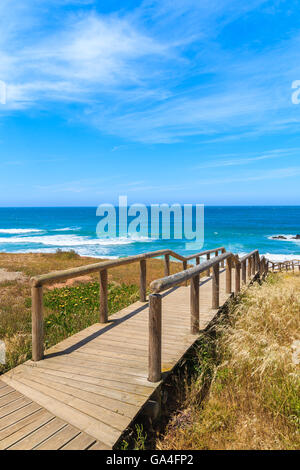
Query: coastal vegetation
[{"x": 247, "y": 366}]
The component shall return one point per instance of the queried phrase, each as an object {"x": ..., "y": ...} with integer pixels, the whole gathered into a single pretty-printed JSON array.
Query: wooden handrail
[
  {"x": 173, "y": 280},
  {"x": 37, "y": 283},
  {"x": 63, "y": 275},
  {"x": 248, "y": 255},
  {"x": 43, "y": 279},
  {"x": 256, "y": 264},
  {"x": 193, "y": 274}
]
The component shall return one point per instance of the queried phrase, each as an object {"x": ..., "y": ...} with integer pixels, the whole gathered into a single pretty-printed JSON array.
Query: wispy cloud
[
  {"x": 246, "y": 159},
  {"x": 125, "y": 69},
  {"x": 278, "y": 173}
]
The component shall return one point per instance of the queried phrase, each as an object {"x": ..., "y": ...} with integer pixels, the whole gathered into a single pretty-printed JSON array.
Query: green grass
[
  {"x": 74, "y": 308},
  {"x": 67, "y": 310}
]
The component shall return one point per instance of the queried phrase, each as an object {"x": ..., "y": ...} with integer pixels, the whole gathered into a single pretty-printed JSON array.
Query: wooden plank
[
  {"x": 76, "y": 380},
  {"x": 110, "y": 418},
  {"x": 138, "y": 336},
  {"x": 6, "y": 390},
  {"x": 114, "y": 375},
  {"x": 97, "y": 446},
  {"x": 102, "y": 366},
  {"x": 14, "y": 406},
  {"x": 38, "y": 436},
  {"x": 12, "y": 396},
  {"x": 18, "y": 425},
  {"x": 17, "y": 415},
  {"x": 126, "y": 387},
  {"x": 59, "y": 439},
  {"x": 89, "y": 424},
  {"x": 81, "y": 442},
  {"x": 109, "y": 403},
  {"x": 23, "y": 428},
  {"x": 123, "y": 352}
]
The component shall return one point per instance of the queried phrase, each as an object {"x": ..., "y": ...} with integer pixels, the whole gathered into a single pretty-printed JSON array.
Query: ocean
[{"x": 239, "y": 229}]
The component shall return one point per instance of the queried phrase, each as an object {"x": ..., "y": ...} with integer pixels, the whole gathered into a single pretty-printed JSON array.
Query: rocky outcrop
[{"x": 282, "y": 237}]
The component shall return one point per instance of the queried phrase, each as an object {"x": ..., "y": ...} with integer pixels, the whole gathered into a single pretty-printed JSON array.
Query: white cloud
[
  {"x": 126, "y": 69},
  {"x": 83, "y": 59},
  {"x": 246, "y": 159}
]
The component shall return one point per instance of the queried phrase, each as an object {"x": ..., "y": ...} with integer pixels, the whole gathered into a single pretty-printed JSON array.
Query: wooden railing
[
  {"x": 252, "y": 261},
  {"x": 246, "y": 268},
  {"x": 285, "y": 265},
  {"x": 102, "y": 268}
]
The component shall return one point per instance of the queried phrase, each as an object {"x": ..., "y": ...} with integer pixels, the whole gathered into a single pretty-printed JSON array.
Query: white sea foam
[
  {"x": 66, "y": 229},
  {"x": 72, "y": 240},
  {"x": 281, "y": 257},
  {"x": 13, "y": 231},
  {"x": 275, "y": 257}
]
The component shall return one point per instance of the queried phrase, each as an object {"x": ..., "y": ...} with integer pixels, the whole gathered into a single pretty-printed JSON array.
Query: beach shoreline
[{"x": 275, "y": 257}]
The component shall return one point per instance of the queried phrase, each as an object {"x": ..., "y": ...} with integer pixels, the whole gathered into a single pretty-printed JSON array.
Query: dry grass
[
  {"x": 254, "y": 399},
  {"x": 32, "y": 264}
]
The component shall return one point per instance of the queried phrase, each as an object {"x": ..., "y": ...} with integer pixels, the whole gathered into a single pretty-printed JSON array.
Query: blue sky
[{"x": 159, "y": 100}]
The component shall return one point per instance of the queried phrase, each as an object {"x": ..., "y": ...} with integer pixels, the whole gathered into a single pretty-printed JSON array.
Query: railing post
[
  {"x": 167, "y": 265},
  {"x": 253, "y": 264},
  {"x": 222, "y": 262},
  {"x": 154, "y": 368},
  {"x": 215, "y": 285},
  {"x": 143, "y": 280},
  {"x": 197, "y": 260},
  {"x": 237, "y": 277},
  {"x": 208, "y": 258},
  {"x": 194, "y": 304},
  {"x": 249, "y": 267},
  {"x": 257, "y": 262},
  {"x": 228, "y": 276},
  {"x": 184, "y": 266},
  {"x": 244, "y": 278},
  {"x": 261, "y": 267},
  {"x": 103, "y": 297},
  {"x": 37, "y": 323}
]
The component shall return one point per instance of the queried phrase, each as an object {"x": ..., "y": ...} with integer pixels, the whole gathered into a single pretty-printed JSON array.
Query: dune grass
[{"x": 251, "y": 362}]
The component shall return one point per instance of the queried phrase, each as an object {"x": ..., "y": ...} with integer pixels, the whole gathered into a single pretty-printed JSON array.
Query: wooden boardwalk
[{"x": 89, "y": 388}]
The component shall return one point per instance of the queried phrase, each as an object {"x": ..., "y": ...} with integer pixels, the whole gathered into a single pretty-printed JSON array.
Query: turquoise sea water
[{"x": 239, "y": 229}]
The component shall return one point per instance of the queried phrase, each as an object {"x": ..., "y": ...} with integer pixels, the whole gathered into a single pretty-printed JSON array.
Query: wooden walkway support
[{"x": 86, "y": 391}]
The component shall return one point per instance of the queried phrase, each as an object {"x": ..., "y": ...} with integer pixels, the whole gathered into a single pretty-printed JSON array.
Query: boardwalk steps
[{"x": 87, "y": 390}]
